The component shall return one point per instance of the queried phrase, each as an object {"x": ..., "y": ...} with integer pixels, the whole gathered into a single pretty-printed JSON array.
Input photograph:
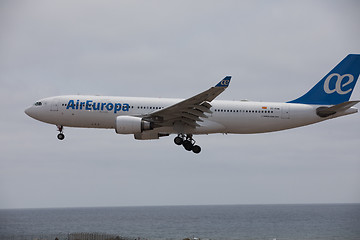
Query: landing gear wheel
[
  {"x": 178, "y": 140},
  {"x": 187, "y": 145},
  {"x": 196, "y": 149},
  {"x": 61, "y": 136}
]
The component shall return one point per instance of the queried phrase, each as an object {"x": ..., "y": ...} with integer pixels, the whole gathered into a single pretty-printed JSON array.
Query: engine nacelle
[{"x": 131, "y": 125}]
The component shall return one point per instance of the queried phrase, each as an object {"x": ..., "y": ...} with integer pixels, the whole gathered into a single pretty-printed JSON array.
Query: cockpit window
[{"x": 38, "y": 103}]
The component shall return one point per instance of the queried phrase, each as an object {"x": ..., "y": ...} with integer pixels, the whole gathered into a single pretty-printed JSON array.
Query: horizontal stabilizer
[{"x": 328, "y": 111}]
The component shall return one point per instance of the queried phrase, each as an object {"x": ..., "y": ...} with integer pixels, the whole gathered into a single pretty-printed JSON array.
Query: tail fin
[{"x": 337, "y": 86}]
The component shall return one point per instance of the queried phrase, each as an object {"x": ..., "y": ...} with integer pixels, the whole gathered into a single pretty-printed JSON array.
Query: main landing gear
[
  {"x": 60, "y": 136},
  {"x": 188, "y": 142}
]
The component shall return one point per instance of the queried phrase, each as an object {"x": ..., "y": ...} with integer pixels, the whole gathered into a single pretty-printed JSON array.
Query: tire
[
  {"x": 187, "y": 145},
  {"x": 196, "y": 149},
  {"x": 178, "y": 140},
  {"x": 61, "y": 136}
]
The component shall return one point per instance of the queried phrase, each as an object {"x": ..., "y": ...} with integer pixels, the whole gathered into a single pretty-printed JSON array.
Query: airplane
[{"x": 152, "y": 118}]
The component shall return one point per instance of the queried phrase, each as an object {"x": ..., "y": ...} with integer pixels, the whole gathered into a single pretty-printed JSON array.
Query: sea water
[{"x": 248, "y": 222}]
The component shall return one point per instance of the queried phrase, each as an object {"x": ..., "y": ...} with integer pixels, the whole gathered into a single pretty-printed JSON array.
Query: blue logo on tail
[
  {"x": 337, "y": 86},
  {"x": 225, "y": 82}
]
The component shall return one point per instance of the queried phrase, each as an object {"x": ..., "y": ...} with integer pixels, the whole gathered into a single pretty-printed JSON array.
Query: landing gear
[
  {"x": 60, "y": 136},
  {"x": 188, "y": 143}
]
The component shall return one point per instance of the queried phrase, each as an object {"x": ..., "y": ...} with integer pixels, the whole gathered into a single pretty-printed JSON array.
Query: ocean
[{"x": 248, "y": 222}]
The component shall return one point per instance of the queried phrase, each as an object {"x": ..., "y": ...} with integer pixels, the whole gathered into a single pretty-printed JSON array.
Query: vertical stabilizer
[{"x": 337, "y": 86}]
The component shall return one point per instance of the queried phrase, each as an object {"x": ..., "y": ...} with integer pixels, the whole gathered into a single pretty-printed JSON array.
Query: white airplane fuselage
[
  {"x": 238, "y": 117},
  {"x": 152, "y": 118}
]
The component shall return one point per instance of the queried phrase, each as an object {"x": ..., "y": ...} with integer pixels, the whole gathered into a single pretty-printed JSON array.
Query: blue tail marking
[{"x": 337, "y": 86}]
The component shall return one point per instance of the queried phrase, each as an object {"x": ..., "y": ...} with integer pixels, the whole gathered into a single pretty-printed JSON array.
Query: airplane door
[
  {"x": 54, "y": 106},
  {"x": 285, "y": 112}
]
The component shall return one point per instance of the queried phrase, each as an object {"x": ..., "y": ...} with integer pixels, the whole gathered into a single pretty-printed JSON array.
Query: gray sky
[{"x": 275, "y": 51}]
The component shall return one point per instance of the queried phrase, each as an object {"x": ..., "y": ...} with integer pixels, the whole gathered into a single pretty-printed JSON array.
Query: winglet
[{"x": 225, "y": 82}]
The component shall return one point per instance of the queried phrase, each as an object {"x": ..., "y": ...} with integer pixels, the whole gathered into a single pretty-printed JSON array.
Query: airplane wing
[{"x": 189, "y": 111}]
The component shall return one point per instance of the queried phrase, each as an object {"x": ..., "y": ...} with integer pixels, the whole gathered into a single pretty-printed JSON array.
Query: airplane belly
[
  {"x": 266, "y": 125},
  {"x": 85, "y": 119},
  {"x": 208, "y": 126}
]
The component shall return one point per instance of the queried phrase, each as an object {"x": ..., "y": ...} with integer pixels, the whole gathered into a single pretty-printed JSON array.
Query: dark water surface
[{"x": 293, "y": 222}]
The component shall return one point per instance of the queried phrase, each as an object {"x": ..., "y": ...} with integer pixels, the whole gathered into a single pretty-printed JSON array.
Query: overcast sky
[{"x": 275, "y": 51}]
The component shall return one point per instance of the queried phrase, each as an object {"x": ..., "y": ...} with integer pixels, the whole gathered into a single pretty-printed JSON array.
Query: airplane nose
[{"x": 28, "y": 111}]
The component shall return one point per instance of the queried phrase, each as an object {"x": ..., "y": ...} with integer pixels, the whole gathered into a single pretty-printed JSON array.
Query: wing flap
[
  {"x": 196, "y": 113},
  {"x": 190, "y": 116},
  {"x": 204, "y": 107}
]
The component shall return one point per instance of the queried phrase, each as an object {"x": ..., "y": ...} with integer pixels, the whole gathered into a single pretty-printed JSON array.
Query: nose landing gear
[
  {"x": 188, "y": 142},
  {"x": 60, "y": 136}
]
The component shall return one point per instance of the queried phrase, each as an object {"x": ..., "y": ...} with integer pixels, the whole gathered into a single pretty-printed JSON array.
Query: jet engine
[{"x": 131, "y": 125}]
